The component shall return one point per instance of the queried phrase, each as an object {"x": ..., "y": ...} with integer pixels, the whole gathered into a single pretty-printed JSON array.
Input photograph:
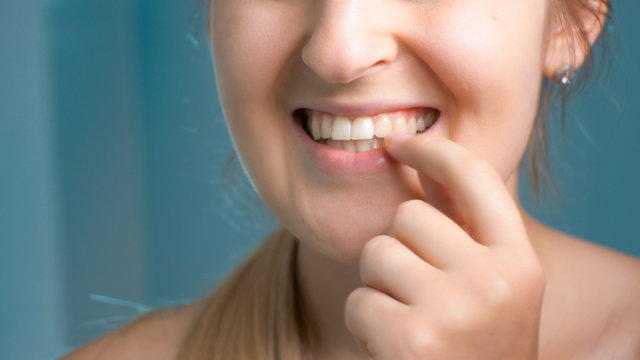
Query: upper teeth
[{"x": 327, "y": 126}]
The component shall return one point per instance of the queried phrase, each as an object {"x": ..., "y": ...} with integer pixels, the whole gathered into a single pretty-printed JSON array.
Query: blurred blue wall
[
  {"x": 31, "y": 268},
  {"x": 596, "y": 159},
  {"x": 117, "y": 182}
]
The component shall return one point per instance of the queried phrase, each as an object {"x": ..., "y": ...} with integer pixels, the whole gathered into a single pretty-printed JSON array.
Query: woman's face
[{"x": 287, "y": 68}]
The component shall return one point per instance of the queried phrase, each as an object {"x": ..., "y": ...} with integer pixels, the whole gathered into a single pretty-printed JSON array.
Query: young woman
[{"x": 386, "y": 136}]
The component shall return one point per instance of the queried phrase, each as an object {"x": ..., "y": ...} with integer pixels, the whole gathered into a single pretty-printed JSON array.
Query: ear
[{"x": 566, "y": 43}]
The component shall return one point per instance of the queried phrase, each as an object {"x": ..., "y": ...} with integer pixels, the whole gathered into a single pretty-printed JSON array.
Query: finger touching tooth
[
  {"x": 420, "y": 125},
  {"x": 411, "y": 126},
  {"x": 399, "y": 125},
  {"x": 366, "y": 132}
]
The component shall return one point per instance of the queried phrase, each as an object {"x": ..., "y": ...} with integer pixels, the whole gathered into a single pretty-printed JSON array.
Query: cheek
[
  {"x": 250, "y": 51},
  {"x": 482, "y": 50},
  {"x": 489, "y": 57}
]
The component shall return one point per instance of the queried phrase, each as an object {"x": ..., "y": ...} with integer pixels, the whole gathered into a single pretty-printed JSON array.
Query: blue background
[{"x": 119, "y": 191}]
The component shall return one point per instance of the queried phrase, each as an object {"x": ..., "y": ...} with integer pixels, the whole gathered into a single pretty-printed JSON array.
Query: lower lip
[{"x": 337, "y": 161}]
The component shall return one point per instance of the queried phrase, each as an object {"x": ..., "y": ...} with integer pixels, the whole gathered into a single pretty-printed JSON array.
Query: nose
[{"x": 349, "y": 40}]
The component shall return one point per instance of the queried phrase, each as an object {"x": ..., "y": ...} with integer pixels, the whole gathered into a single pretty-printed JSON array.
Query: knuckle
[
  {"x": 457, "y": 318},
  {"x": 494, "y": 288},
  {"x": 408, "y": 208},
  {"x": 498, "y": 291},
  {"x": 419, "y": 340},
  {"x": 377, "y": 245},
  {"x": 356, "y": 301},
  {"x": 376, "y": 252}
]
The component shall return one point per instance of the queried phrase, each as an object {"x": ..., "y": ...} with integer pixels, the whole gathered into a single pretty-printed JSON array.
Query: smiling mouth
[{"x": 363, "y": 133}]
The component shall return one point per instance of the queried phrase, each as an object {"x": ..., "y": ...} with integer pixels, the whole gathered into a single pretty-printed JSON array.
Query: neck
[{"x": 326, "y": 284}]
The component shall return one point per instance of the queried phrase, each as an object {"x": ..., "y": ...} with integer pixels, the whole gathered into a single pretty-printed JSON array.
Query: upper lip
[{"x": 361, "y": 109}]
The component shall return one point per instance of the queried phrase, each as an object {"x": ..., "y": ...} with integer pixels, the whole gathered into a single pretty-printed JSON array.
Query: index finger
[{"x": 479, "y": 192}]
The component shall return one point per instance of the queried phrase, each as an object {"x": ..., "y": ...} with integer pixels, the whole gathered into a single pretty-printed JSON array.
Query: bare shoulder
[
  {"x": 156, "y": 335},
  {"x": 591, "y": 301}
]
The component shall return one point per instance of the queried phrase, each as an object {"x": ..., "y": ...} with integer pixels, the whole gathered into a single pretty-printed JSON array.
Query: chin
[
  {"x": 337, "y": 224},
  {"x": 344, "y": 246}
]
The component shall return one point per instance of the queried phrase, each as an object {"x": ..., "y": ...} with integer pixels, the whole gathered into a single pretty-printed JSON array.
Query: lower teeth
[{"x": 354, "y": 145}]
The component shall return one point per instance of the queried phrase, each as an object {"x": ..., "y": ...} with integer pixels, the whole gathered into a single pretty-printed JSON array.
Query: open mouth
[{"x": 363, "y": 133}]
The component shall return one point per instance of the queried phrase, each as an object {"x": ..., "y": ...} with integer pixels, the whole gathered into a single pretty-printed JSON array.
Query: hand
[{"x": 439, "y": 288}]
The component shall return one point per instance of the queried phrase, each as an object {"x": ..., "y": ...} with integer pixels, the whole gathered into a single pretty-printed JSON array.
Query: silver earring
[{"x": 564, "y": 76}]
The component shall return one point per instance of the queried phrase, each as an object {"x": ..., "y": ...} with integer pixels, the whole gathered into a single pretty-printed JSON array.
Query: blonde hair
[
  {"x": 566, "y": 15},
  {"x": 259, "y": 312}
]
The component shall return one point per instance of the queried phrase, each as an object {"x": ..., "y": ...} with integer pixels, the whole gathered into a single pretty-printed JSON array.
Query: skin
[
  {"x": 493, "y": 283},
  {"x": 363, "y": 52}
]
